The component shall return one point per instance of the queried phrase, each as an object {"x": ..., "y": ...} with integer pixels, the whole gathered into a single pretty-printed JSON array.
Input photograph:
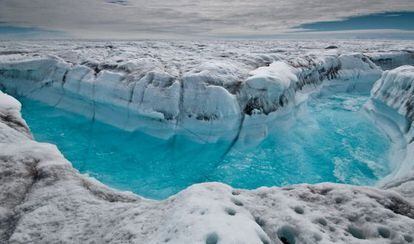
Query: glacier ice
[
  {"x": 184, "y": 88},
  {"x": 44, "y": 199}
]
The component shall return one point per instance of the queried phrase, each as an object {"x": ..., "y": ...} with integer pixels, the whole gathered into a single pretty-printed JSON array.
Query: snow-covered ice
[
  {"x": 191, "y": 88},
  {"x": 216, "y": 90}
]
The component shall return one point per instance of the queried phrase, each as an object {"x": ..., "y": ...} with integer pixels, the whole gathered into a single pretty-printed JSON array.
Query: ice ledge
[
  {"x": 44, "y": 200},
  {"x": 214, "y": 99},
  {"x": 392, "y": 105}
]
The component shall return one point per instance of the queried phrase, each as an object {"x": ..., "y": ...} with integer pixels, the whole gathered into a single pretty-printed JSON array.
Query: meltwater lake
[{"x": 330, "y": 140}]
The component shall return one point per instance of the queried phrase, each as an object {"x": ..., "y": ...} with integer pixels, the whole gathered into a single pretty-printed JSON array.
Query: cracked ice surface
[{"x": 44, "y": 200}]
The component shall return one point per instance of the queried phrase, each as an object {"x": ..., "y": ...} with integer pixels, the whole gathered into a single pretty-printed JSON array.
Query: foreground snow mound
[{"x": 44, "y": 200}]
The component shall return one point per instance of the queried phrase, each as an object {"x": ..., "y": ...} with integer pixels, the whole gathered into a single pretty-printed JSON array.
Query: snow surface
[{"x": 214, "y": 89}]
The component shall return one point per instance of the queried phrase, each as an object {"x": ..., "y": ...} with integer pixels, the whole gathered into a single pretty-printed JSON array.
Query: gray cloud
[{"x": 183, "y": 18}]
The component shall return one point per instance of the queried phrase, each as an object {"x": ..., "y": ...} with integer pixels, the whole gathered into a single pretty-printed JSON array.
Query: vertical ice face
[
  {"x": 209, "y": 105},
  {"x": 269, "y": 88},
  {"x": 391, "y": 104},
  {"x": 209, "y": 90},
  {"x": 392, "y": 59},
  {"x": 395, "y": 89}
]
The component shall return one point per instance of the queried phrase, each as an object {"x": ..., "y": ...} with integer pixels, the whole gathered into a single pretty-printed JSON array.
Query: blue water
[{"x": 331, "y": 140}]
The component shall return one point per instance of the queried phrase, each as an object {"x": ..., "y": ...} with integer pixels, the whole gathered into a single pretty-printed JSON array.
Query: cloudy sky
[{"x": 138, "y": 19}]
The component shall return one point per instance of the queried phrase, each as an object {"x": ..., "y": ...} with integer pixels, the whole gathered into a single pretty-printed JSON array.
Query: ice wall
[
  {"x": 391, "y": 103},
  {"x": 210, "y": 101},
  {"x": 392, "y": 59}
]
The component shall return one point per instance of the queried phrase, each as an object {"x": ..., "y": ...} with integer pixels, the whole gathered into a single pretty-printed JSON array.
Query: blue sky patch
[
  {"x": 11, "y": 32},
  {"x": 388, "y": 20}
]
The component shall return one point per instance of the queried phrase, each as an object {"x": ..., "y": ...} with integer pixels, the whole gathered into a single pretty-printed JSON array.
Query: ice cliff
[
  {"x": 208, "y": 98},
  {"x": 45, "y": 200},
  {"x": 392, "y": 105}
]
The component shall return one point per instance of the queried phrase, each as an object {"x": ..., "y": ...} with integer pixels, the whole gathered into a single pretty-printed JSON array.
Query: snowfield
[{"x": 208, "y": 91}]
